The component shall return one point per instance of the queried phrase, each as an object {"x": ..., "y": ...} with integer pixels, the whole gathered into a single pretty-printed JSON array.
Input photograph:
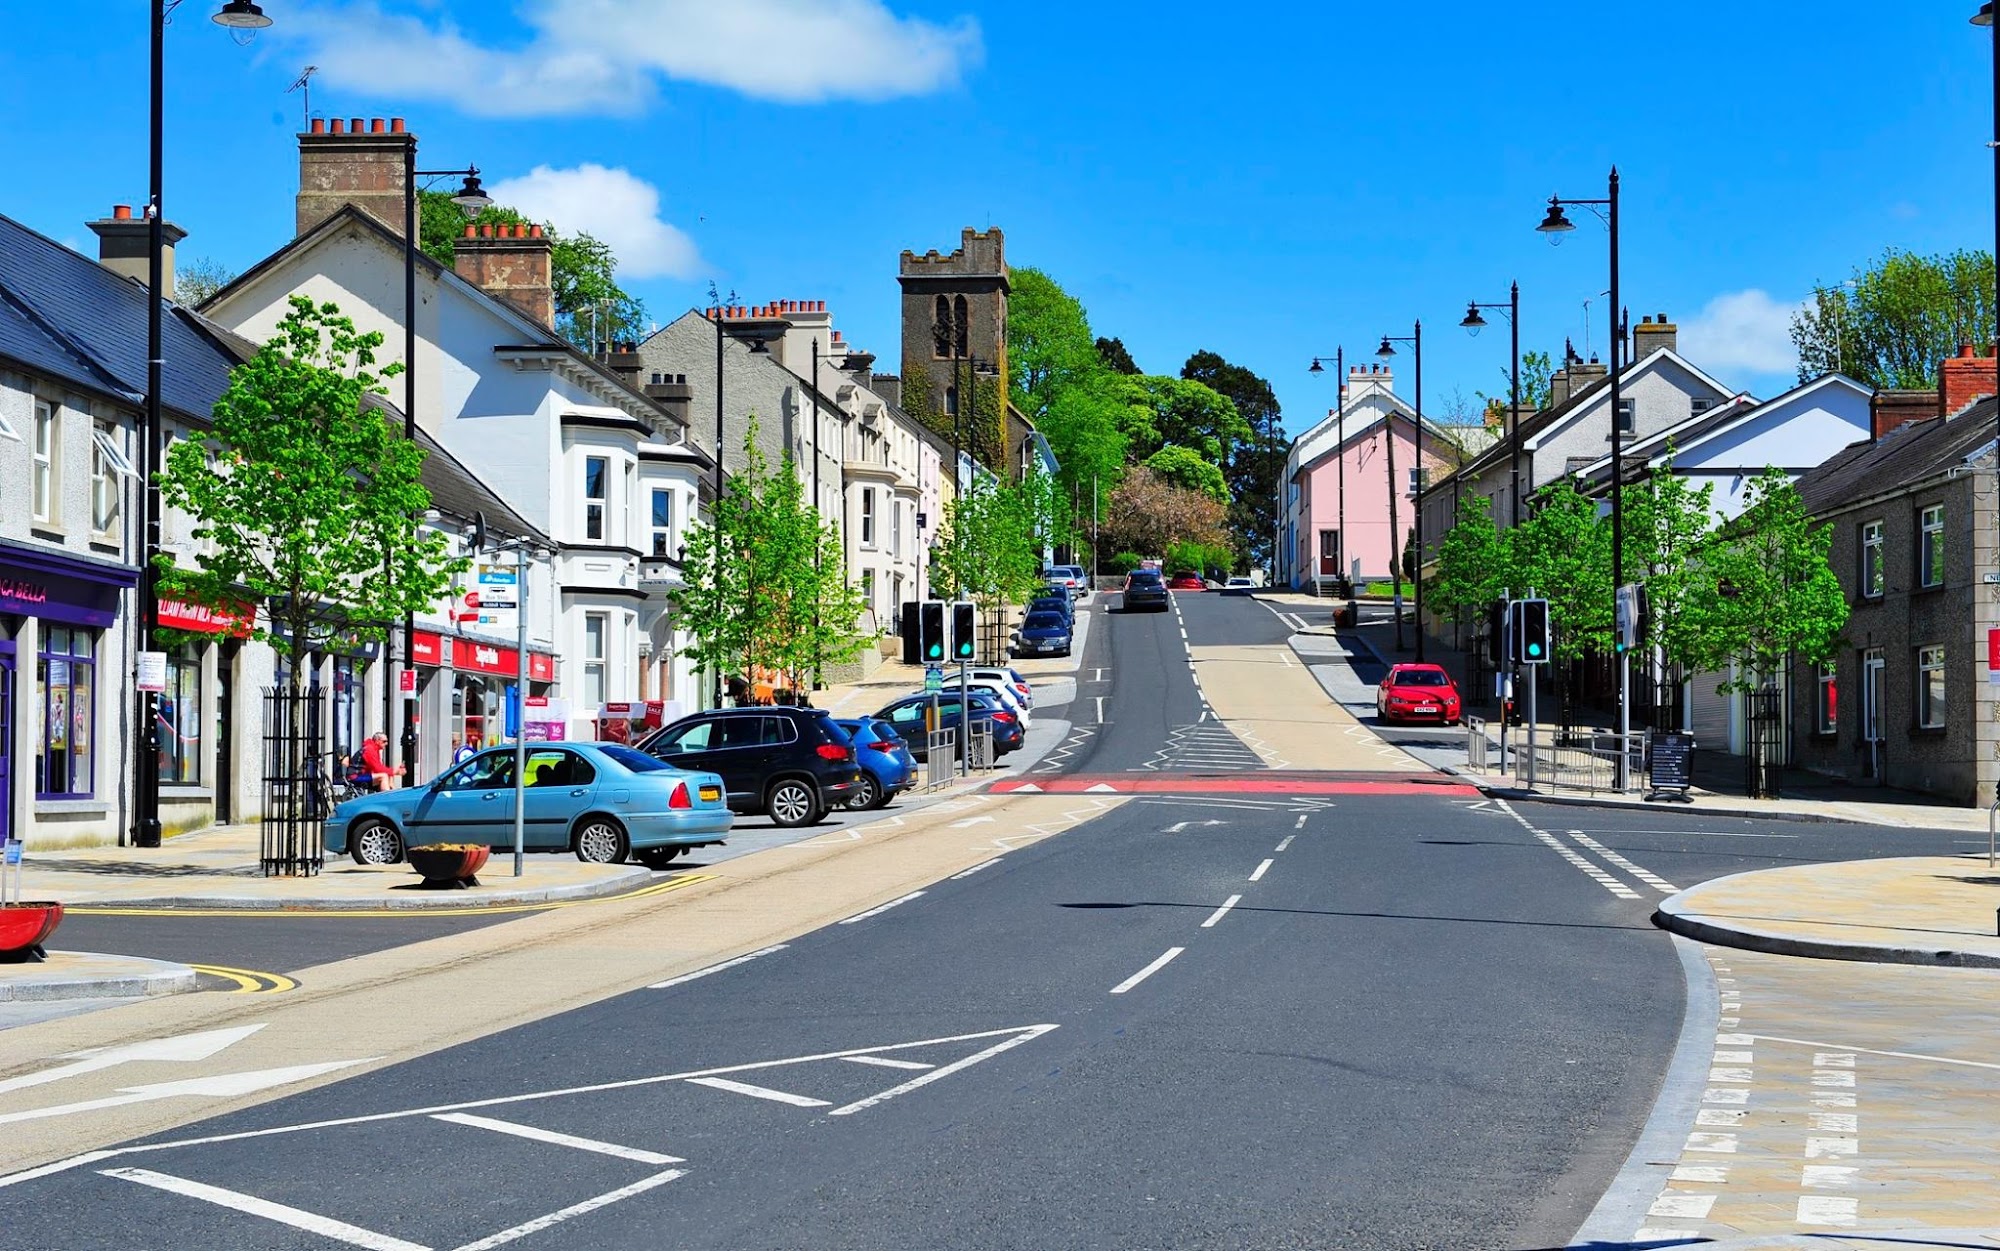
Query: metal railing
[
  {"x": 981, "y": 745},
  {"x": 940, "y": 759},
  {"x": 1475, "y": 743},
  {"x": 1585, "y": 760}
]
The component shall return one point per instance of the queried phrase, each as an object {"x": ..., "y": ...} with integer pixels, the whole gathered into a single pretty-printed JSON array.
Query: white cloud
[
  {"x": 612, "y": 204},
  {"x": 1744, "y": 330},
  {"x": 606, "y": 56}
]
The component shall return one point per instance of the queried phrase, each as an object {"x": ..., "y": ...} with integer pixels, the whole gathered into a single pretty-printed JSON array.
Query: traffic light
[
  {"x": 1531, "y": 631},
  {"x": 964, "y": 631},
  {"x": 930, "y": 632},
  {"x": 1631, "y": 617},
  {"x": 1496, "y": 631}
]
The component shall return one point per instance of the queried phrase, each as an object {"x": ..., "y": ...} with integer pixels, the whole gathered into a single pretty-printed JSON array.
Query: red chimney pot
[
  {"x": 338, "y": 128},
  {"x": 318, "y": 126},
  {"x": 354, "y": 125},
  {"x": 377, "y": 126},
  {"x": 396, "y": 126},
  {"x": 121, "y": 212}
]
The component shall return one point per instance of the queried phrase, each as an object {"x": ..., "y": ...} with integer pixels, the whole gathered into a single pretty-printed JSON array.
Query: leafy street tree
[
  {"x": 1775, "y": 597},
  {"x": 591, "y": 307},
  {"x": 990, "y": 549},
  {"x": 1185, "y": 468},
  {"x": 1160, "y": 412},
  {"x": 313, "y": 507},
  {"x": 1253, "y": 461},
  {"x": 1536, "y": 370},
  {"x": 199, "y": 277},
  {"x": 1563, "y": 553},
  {"x": 1898, "y": 319},
  {"x": 1116, "y": 359},
  {"x": 1059, "y": 380},
  {"x": 1149, "y": 515},
  {"x": 1669, "y": 525},
  {"x": 1475, "y": 562}
]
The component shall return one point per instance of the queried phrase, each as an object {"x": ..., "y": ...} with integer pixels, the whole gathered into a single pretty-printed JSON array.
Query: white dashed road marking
[
  {"x": 1570, "y": 854},
  {"x": 1221, "y": 912},
  {"x": 1258, "y": 873},
  {"x": 1148, "y": 971}
]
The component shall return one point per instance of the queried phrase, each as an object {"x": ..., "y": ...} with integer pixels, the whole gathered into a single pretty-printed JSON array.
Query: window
[
  {"x": 596, "y": 485},
  {"x": 663, "y": 521},
  {"x": 1930, "y": 688},
  {"x": 45, "y": 462},
  {"x": 1871, "y": 559},
  {"x": 941, "y": 327},
  {"x": 1419, "y": 479},
  {"x": 1628, "y": 414},
  {"x": 349, "y": 707},
  {"x": 66, "y": 684},
  {"x": 179, "y": 719},
  {"x": 1698, "y": 406},
  {"x": 1930, "y": 547},
  {"x": 107, "y": 465},
  {"x": 595, "y": 626},
  {"x": 1826, "y": 709},
  {"x": 868, "y": 588},
  {"x": 868, "y": 516}
]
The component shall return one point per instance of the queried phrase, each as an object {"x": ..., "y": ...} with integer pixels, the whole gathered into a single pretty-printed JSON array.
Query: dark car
[
  {"x": 1043, "y": 634},
  {"x": 793, "y": 763},
  {"x": 910, "y": 717},
  {"x": 1144, "y": 588},
  {"x": 1058, "y": 604},
  {"x": 887, "y": 767}
]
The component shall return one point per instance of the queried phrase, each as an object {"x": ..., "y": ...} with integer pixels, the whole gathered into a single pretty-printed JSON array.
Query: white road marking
[
  {"x": 1300, "y": 824},
  {"x": 717, "y": 968},
  {"x": 221, "y": 1086},
  {"x": 969, "y": 822},
  {"x": 1576, "y": 858},
  {"x": 1261, "y": 870},
  {"x": 1287, "y": 840},
  {"x": 1621, "y": 862},
  {"x": 1725, "y": 1096},
  {"x": 183, "y": 1049},
  {"x": 1221, "y": 912},
  {"x": 887, "y": 1062},
  {"x": 1148, "y": 971},
  {"x": 1721, "y": 1143},
  {"x": 540, "y": 1223},
  {"x": 881, "y": 908},
  {"x": 1684, "y": 1207},
  {"x": 251, "y": 1205},
  {"x": 759, "y": 1092},
  {"x": 1100, "y": 708},
  {"x": 560, "y": 1140},
  {"x": 977, "y": 867},
  {"x": 1828, "y": 1210},
  {"x": 1714, "y": 1173},
  {"x": 1819, "y": 1148},
  {"x": 1827, "y": 1176},
  {"x": 1720, "y": 1118},
  {"x": 1836, "y": 1122},
  {"x": 862, "y": 1105}
]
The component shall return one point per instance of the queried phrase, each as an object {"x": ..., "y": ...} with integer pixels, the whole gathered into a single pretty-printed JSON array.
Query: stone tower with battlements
[{"x": 957, "y": 303}]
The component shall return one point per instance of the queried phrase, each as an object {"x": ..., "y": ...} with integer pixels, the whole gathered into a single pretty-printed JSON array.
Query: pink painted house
[{"x": 1338, "y": 472}]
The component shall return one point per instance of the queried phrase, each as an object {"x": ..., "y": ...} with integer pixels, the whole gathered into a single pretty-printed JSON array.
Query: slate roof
[
  {"x": 1911, "y": 453},
  {"x": 64, "y": 315}
]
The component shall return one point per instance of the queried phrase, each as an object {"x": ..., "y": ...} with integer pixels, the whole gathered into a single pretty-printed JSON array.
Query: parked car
[
  {"x": 1058, "y": 604},
  {"x": 1073, "y": 577},
  {"x": 1044, "y": 633},
  {"x": 1418, "y": 693},
  {"x": 1144, "y": 589},
  {"x": 887, "y": 767},
  {"x": 909, "y": 717},
  {"x": 1187, "y": 580},
  {"x": 1013, "y": 678},
  {"x": 1239, "y": 585},
  {"x": 1004, "y": 691},
  {"x": 792, "y": 763},
  {"x": 603, "y": 801}
]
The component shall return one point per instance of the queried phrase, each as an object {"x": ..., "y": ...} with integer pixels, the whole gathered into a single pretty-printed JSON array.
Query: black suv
[
  {"x": 1144, "y": 589},
  {"x": 793, "y": 763}
]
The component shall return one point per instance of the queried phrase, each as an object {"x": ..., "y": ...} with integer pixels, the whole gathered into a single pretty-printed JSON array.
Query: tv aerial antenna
[{"x": 303, "y": 84}]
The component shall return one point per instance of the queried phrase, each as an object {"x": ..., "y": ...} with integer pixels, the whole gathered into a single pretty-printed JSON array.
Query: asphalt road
[{"x": 1235, "y": 1019}]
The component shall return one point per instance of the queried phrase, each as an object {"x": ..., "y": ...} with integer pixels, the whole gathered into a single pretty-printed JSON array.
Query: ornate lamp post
[
  {"x": 1340, "y": 460},
  {"x": 1416, "y": 341}
]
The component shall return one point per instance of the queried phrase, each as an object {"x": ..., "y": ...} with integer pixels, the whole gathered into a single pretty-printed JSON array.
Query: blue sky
[{"x": 1266, "y": 182}]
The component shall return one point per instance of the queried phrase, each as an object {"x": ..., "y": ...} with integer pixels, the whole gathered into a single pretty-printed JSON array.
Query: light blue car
[{"x": 603, "y": 801}]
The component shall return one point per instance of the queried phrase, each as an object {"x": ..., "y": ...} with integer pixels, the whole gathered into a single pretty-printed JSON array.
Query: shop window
[
  {"x": 596, "y": 494},
  {"x": 45, "y": 462},
  {"x": 66, "y": 687},
  {"x": 663, "y": 521},
  {"x": 349, "y": 708},
  {"x": 179, "y": 719},
  {"x": 1827, "y": 706},
  {"x": 1871, "y": 560},
  {"x": 595, "y": 626},
  {"x": 1930, "y": 688},
  {"x": 1930, "y": 547}
]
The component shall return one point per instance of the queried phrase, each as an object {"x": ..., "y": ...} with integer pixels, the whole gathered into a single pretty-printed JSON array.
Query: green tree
[
  {"x": 1668, "y": 523},
  {"x": 1562, "y": 552},
  {"x": 198, "y": 278},
  {"x": 1475, "y": 563},
  {"x": 1892, "y": 323},
  {"x": 990, "y": 548},
  {"x": 1159, "y": 411},
  {"x": 1253, "y": 454},
  {"x": 1148, "y": 514},
  {"x": 591, "y": 306},
  {"x": 1059, "y": 381},
  {"x": 1185, "y": 468},
  {"x": 1775, "y": 596},
  {"x": 1116, "y": 359},
  {"x": 1536, "y": 370},
  {"x": 312, "y": 509}
]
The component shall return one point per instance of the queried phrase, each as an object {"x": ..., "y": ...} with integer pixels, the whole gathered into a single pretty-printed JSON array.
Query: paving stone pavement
[{"x": 1841, "y": 1099}]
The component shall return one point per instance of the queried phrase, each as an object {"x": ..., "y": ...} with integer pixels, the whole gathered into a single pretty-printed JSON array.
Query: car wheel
[
  {"x": 600, "y": 840},
  {"x": 375, "y": 842},
  {"x": 658, "y": 857},
  {"x": 867, "y": 795},
  {"x": 792, "y": 803}
]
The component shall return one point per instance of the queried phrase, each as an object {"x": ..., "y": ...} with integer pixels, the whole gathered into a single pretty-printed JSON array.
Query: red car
[
  {"x": 1185, "y": 581},
  {"x": 1418, "y": 693}
]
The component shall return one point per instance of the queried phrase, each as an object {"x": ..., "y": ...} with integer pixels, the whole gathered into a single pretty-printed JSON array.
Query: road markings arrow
[
  {"x": 971, "y": 821},
  {"x": 183, "y": 1049},
  {"x": 221, "y": 1086},
  {"x": 1178, "y": 826}
]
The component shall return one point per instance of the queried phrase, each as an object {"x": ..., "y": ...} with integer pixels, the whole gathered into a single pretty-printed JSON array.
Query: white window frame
[
  {"x": 1826, "y": 690},
  {"x": 868, "y": 517},
  {"x": 1930, "y": 711},
  {"x": 1930, "y": 546},
  {"x": 663, "y": 534},
  {"x": 1697, "y": 406},
  {"x": 596, "y": 508},
  {"x": 596, "y": 673},
  {"x": 46, "y": 453},
  {"x": 1875, "y": 580},
  {"x": 1628, "y": 414},
  {"x": 107, "y": 465},
  {"x": 7, "y": 430}
]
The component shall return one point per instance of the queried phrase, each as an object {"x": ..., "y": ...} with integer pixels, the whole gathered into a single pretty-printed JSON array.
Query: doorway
[
  {"x": 225, "y": 734},
  {"x": 1871, "y": 712},
  {"x": 6, "y": 740}
]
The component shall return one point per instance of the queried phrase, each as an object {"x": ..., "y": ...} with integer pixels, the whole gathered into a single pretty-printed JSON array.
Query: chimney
[
  {"x": 1889, "y": 409},
  {"x": 672, "y": 392},
  {"x": 889, "y": 387},
  {"x": 510, "y": 263},
  {"x": 122, "y": 246},
  {"x": 1652, "y": 334},
  {"x": 364, "y": 165},
  {"x": 1963, "y": 379},
  {"x": 626, "y": 362}
]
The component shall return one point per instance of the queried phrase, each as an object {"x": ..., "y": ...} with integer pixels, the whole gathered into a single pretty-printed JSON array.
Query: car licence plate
[{"x": 709, "y": 794}]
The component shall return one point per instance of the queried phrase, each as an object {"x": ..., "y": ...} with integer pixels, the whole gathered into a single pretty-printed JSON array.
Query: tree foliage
[
  {"x": 1116, "y": 359},
  {"x": 990, "y": 547},
  {"x": 591, "y": 307},
  {"x": 198, "y": 278},
  {"x": 1892, "y": 323},
  {"x": 1060, "y": 381},
  {"x": 1253, "y": 460},
  {"x": 1537, "y": 369},
  {"x": 1185, "y": 468},
  {"x": 1474, "y": 562},
  {"x": 312, "y": 508},
  {"x": 1770, "y": 593},
  {"x": 1149, "y": 514}
]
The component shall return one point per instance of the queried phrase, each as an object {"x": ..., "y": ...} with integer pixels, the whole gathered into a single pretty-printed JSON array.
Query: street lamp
[
  {"x": 1473, "y": 324},
  {"x": 1416, "y": 341},
  {"x": 1555, "y": 225},
  {"x": 1340, "y": 460},
  {"x": 236, "y": 15},
  {"x": 1985, "y": 18},
  {"x": 473, "y": 200}
]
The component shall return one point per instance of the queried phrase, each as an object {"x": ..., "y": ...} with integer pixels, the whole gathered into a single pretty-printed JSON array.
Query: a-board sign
[{"x": 1672, "y": 763}]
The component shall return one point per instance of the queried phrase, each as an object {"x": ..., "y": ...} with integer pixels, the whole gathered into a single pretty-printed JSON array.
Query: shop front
[
  {"x": 481, "y": 674},
  {"x": 57, "y": 615},
  {"x": 196, "y": 713}
]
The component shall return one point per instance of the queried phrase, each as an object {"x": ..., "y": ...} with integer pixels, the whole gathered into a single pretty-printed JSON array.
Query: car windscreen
[
  {"x": 636, "y": 761},
  {"x": 1044, "y": 621},
  {"x": 1147, "y": 578},
  {"x": 1422, "y": 677}
]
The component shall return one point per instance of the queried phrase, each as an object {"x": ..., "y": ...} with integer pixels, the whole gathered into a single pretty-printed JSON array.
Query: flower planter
[
  {"x": 24, "y": 927},
  {"x": 448, "y": 866}
]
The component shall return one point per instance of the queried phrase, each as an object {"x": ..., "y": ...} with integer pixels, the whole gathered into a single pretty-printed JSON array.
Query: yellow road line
[
  {"x": 249, "y": 981},
  {"x": 656, "y": 888}
]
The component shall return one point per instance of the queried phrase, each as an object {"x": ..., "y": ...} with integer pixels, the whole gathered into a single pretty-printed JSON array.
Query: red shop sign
[
  {"x": 541, "y": 668},
  {"x": 482, "y": 657},
  {"x": 426, "y": 648},
  {"x": 201, "y": 619}
]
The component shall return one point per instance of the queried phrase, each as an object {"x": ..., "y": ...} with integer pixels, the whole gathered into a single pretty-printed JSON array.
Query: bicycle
[{"x": 329, "y": 785}]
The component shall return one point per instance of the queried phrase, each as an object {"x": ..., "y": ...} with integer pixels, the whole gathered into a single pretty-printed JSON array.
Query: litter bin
[{"x": 1347, "y": 615}]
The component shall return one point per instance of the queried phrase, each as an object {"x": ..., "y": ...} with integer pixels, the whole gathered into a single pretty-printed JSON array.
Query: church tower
[{"x": 956, "y": 305}]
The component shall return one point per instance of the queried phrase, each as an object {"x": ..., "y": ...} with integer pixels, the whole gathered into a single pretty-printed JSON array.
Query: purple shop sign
[{"x": 55, "y": 588}]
